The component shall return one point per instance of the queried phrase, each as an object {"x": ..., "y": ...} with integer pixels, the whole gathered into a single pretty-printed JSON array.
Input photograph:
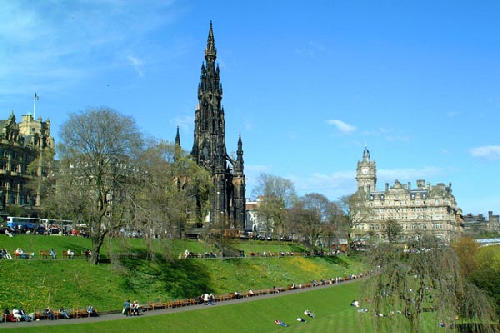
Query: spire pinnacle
[
  {"x": 366, "y": 154},
  {"x": 177, "y": 137},
  {"x": 210, "y": 51}
]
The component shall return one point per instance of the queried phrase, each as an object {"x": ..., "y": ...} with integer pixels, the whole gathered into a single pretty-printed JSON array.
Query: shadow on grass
[
  {"x": 337, "y": 260},
  {"x": 177, "y": 278}
]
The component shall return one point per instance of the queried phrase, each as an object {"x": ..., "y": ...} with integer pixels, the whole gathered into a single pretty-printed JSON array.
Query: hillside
[{"x": 36, "y": 283}]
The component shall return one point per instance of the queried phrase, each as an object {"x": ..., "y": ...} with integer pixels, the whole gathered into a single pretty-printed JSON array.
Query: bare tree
[
  {"x": 276, "y": 195},
  {"x": 98, "y": 175},
  {"x": 168, "y": 195},
  {"x": 356, "y": 214},
  {"x": 314, "y": 218}
]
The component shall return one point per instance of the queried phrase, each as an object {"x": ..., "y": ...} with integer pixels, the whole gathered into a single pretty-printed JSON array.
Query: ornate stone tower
[
  {"x": 209, "y": 146},
  {"x": 366, "y": 173}
]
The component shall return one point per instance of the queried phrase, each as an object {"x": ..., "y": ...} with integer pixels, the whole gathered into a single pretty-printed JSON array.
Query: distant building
[
  {"x": 254, "y": 222},
  {"x": 20, "y": 144},
  {"x": 425, "y": 208},
  {"x": 474, "y": 225}
]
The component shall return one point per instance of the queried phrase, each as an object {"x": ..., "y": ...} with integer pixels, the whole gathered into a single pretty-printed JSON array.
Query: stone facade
[
  {"x": 20, "y": 144},
  {"x": 474, "y": 225},
  {"x": 422, "y": 209},
  {"x": 209, "y": 146}
]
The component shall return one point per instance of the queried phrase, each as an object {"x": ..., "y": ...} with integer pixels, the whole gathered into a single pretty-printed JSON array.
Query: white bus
[{"x": 31, "y": 223}]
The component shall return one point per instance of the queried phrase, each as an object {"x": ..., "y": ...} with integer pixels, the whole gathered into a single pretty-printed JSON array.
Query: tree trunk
[{"x": 96, "y": 248}]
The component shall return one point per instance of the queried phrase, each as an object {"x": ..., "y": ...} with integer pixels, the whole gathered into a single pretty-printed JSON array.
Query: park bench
[
  {"x": 44, "y": 254},
  {"x": 27, "y": 255},
  {"x": 158, "y": 305},
  {"x": 65, "y": 254}
]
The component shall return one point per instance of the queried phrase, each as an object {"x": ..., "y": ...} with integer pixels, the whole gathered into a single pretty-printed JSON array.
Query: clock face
[{"x": 364, "y": 171}]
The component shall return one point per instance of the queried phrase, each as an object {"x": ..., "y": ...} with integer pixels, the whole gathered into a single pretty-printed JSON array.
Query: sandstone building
[
  {"x": 422, "y": 209},
  {"x": 474, "y": 225},
  {"x": 209, "y": 146},
  {"x": 20, "y": 144}
]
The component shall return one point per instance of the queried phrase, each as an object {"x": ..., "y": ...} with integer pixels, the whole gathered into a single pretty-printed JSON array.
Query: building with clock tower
[
  {"x": 366, "y": 175},
  {"x": 424, "y": 209}
]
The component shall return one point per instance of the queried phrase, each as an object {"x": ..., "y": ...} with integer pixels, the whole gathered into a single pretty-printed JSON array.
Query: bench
[
  {"x": 66, "y": 254},
  {"x": 44, "y": 254}
]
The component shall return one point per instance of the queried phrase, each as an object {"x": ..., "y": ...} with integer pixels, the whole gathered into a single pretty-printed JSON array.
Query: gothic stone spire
[{"x": 210, "y": 51}]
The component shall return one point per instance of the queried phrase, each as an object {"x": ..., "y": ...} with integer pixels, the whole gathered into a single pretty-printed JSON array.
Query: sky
[{"x": 307, "y": 84}]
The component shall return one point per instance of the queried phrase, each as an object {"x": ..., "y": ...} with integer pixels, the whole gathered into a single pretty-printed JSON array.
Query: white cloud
[
  {"x": 52, "y": 44},
  {"x": 341, "y": 126},
  {"x": 137, "y": 64},
  {"x": 491, "y": 152},
  {"x": 340, "y": 183},
  {"x": 332, "y": 185},
  {"x": 185, "y": 122}
]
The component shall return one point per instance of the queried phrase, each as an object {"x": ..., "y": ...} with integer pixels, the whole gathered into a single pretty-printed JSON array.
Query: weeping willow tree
[{"x": 424, "y": 278}]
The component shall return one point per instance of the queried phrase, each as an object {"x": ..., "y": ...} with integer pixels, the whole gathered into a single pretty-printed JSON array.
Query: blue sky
[{"x": 306, "y": 83}]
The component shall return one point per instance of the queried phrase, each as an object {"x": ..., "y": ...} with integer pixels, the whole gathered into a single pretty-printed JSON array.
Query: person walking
[{"x": 126, "y": 308}]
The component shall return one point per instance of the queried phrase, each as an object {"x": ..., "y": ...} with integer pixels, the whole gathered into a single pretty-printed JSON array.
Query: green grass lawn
[
  {"x": 331, "y": 307},
  {"x": 34, "y": 284}
]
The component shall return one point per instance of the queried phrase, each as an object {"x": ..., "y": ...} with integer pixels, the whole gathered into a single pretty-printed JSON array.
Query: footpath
[{"x": 116, "y": 316}]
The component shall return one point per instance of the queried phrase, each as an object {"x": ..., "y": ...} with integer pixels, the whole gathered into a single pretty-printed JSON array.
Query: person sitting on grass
[
  {"x": 309, "y": 313},
  {"x": 63, "y": 313},
  {"x": 355, "y": 303},
  {"x": 281, "y": 323},
  {"x": 71, "y": 254},
  {"x": 302, "y": 320}
]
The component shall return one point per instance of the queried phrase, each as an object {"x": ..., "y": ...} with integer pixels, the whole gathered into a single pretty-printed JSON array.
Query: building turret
[
  {"x": 177, "y": 153},
  {"x": 366, "y": 173}
]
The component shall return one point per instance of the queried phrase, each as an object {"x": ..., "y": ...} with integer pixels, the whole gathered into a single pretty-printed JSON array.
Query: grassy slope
[
  {"x": 75, "y": 283},
  {"x": 331, "y": 307}
]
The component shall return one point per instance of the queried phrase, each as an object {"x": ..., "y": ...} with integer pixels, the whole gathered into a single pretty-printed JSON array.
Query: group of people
[
  {"x": 18, "y": 314},
  {"x": 23, "y": 255},
  {"x": 307, "y": 312},
  {"x": 187, "y": 254},
  {"x": 131, "y": 309}
]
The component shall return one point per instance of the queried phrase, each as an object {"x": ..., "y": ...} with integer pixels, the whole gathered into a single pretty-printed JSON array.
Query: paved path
[{"x": 162, "y": 311}]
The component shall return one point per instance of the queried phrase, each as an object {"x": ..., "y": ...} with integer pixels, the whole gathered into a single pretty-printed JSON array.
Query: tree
[
  {"x": 276, "y": 195},
  {"x": 356, "y": 213},
  {"x": 169, "y": 192},
  {"x": 393, "y": 230},
  {"x": 43, "y": 174},
  {"x": 313, "y": 216},
  {"x": 426, "y": 276},
  {"x": 466, "y": 250},
  {"x": 99, "y": 175}
]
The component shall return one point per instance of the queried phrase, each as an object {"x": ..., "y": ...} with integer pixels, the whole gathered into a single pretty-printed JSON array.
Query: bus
[
  {"x": 57, "y": 226},
  {"x": 20, "y": 223}
]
